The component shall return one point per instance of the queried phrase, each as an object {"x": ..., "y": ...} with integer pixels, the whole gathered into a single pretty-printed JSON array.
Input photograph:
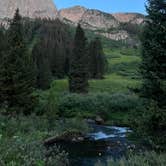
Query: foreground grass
[
  {"x": 21, "y": 140},
  {"x": 21, "y": 143},
  {"x": 144, "y": 159}
]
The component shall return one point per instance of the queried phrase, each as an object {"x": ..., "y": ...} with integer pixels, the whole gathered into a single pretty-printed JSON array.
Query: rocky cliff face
[
  {"x": 108, "y": 25},
  {"x": 134, "y": 18},
  {"x": 95, "y": 19},
  {"x": 73, "y": 15},
  {"x": 88, "y": 18},
  {"x": 28, "y": 8}
]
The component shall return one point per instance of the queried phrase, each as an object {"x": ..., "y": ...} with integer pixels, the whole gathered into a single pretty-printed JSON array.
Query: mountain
[
  {"x": 135, "y": 18},
  {"x": 28, "y": 8},
  {"x": 119, "y": 26}
]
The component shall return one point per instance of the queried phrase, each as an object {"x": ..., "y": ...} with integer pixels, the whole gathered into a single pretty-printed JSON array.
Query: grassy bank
[{"x": 22, "y": 138}]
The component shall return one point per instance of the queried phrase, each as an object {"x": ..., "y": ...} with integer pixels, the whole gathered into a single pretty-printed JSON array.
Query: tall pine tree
[
  {"x": 154, "y": 52},
  {"x": 16, "y": 74},
  {"x": 42, "y": 65},
  {"x": 97, "y": 60},
  {"x": 78, "y": 76},
  {"x": 3, "y": 46}
]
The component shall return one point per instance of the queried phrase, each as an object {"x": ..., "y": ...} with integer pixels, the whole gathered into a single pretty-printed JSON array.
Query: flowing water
[{"x": 102, "y": 144}]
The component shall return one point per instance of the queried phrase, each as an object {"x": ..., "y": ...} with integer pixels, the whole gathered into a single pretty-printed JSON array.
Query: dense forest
[{"x": 55, "y": 79}]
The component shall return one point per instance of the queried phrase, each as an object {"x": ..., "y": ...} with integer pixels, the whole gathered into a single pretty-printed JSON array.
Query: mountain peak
[
  {"x": 73, "y": 14},
  {"x": 28, "y": 8}
]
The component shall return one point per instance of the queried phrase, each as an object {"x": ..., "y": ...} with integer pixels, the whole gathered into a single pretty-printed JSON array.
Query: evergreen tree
[
  {"x": 78, "y": 76},
  {"x": 3, "y": 42},
  {"x": 97, "y": 59},
  {"x": 16, "y": 74},
  {"x": 42, "y": 66},
  {"x": 154, "y": 52},
  {"x": 3, "y": 46},
  {"x": 55, "y": 44}
]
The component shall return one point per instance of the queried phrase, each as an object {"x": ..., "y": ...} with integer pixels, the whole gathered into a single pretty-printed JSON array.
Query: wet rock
[
  {"x": 99, "y": 120},
  {"x": 90, "y": 121},
  {"x": 69, "y": 136}
]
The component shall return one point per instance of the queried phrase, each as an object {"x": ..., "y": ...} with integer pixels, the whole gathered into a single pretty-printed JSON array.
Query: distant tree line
[{"x": 34, "y": 52}]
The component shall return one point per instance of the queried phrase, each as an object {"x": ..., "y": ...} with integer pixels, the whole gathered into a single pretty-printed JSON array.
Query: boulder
[
  {"x": 99, "y": 120},
  {"x": 68, "y": 136}
]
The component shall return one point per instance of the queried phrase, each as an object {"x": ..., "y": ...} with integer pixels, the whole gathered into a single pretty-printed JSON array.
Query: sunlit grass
[
  {"x": 124, "y": 59},
  {"x": 113, "y": 83},
  {"x": 123, "y": 65}
]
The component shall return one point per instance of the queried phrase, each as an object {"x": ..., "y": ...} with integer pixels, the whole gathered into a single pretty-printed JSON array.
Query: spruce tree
[
  {"x": 16, "y": 75},
  {"x": 3, "y": 46},
  {"x": 78, "y": 76},
  {"x": 154, "y": 52},
  {"x": 42, "y": 66},
  {"x": 97, "y": 59},
  {"x": 54, "y": 45}
]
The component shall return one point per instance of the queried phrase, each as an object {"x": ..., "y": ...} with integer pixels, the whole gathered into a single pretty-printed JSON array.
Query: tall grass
[
  {"x": 144, "y": 159},
  {"x": 22, "y": 137}
]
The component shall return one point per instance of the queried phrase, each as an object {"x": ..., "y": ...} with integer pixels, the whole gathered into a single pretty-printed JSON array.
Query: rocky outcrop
[
  {"x": 117, "y": 35},
  {"x": 88, "y": 18},
  {"x": 105, "y": 24},
  {"x": 73, "y": 14},
  {"x": 135, "y": 18},
  {"x": 97, "y": 20},
  {"x": 68, "y": 136},
  {"x": 28, "y": 8}
]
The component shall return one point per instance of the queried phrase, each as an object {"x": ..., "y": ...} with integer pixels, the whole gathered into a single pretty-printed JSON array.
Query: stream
[{"x": 102, "y": 144}]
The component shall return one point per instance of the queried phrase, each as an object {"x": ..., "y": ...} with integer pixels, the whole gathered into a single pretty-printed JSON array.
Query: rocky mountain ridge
[
  {"x": 113, "y": 26},
  {"x": 106, "y": 24}
]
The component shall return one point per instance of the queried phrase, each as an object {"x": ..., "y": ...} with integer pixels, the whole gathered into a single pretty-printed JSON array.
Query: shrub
[
  {"x": 70, "y": 104},
  {"x": 151, "y": 125}
]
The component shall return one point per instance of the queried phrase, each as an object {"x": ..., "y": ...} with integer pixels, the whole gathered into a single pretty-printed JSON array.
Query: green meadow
[{"x": 122, "y": 75}]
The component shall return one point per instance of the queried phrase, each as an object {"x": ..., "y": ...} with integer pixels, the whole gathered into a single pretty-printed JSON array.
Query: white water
[
  {"x": 120, "y": 130},
  {"x": 101, "y": 135},
  {"x": 114, "y": 132}
]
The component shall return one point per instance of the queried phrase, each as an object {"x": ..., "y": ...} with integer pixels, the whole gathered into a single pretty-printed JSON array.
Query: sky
[{"x": 110, "y": 6}]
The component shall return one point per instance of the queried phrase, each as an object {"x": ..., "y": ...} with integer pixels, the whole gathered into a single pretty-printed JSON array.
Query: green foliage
[
  {"x": 78, "y": 76},
  {"x": 114, "y": 83},
  {"x": 97, "y": 60},
  {"x": 43, "y": 70},
  {"x": 51, "y": 51},
  {"x": 74, "y": 104},
  {"x": 16, "y": 152},
  {"x": 124, "y": 62},
  {"x": 17, "y": 77},
  {"x": 154, "y": 52},
  {"x": 151, "y": 124},
  {"x": 144, "y": 159},
  {"x": 131, "y": 28},
  {"x": 21, "y": 140}
]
